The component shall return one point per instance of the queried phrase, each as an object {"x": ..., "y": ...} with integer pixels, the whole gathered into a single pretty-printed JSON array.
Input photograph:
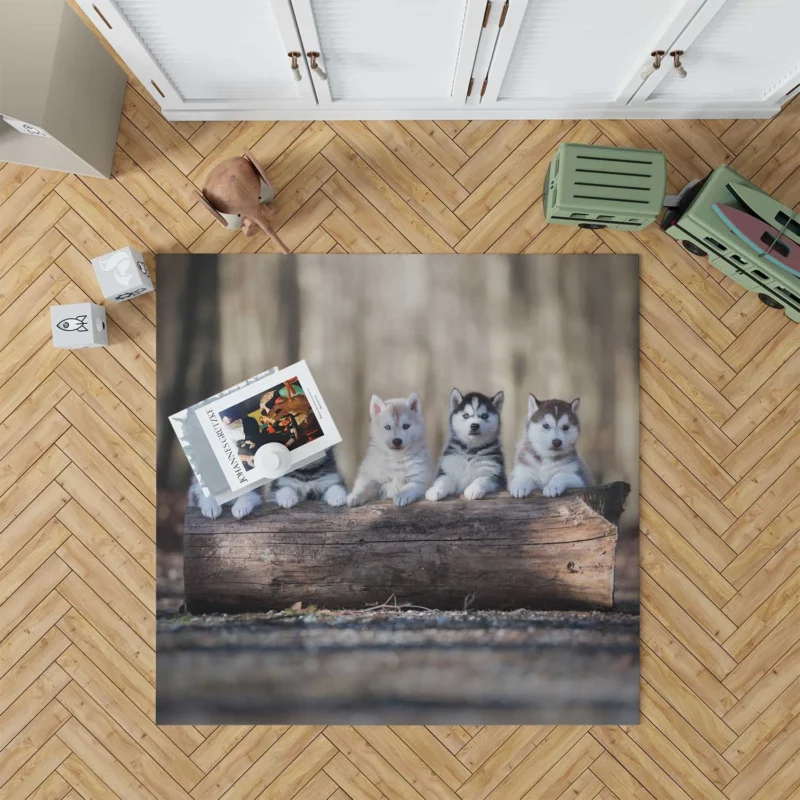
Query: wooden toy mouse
[{"x": 233, "y": 188}]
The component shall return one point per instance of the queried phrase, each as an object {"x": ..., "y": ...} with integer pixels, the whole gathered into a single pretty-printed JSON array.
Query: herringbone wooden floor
[{"x": 720, "y": 415}]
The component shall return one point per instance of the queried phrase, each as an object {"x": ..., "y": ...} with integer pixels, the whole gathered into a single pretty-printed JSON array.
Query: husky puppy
[
  {"x": 472, "y": 459},
  {"x": 209, "y": 507},
  {"x": 319, "y": 480},
  {"x": 397, "y": 464},
  {"x": 547, "y": 456}
]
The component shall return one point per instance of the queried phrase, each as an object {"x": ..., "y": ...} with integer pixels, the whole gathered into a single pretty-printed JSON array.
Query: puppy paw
[
  {"x": 474, "y": 492},
  {"x": 435, "y": 493},
  {"x": 554, "y": 488},
  {"x": 245, "y": 504},
  {"x": 354, "y": 500},
  {"x": 521, "y": 488},
  {"x": 209, "y": 507},
  {"x": 286, "y": 497},
  {"x": 336, "y": 495},
  {"x": 403, "y": 498}
]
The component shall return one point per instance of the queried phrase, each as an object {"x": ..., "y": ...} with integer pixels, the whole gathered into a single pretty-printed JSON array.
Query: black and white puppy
[
  {"x": 472, "y": 459},
  {"x": 319, "y": 480}
]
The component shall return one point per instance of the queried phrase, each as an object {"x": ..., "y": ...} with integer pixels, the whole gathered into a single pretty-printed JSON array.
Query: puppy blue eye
[
  {"x": 565, "y": 427},
  {"x": 546, "y": 426},
  {"x": 387, "y": 427},
  {"x": 484, "y": 416},
  {"x": 465, "y": 416},
  {"x": 406, "y": 426}
]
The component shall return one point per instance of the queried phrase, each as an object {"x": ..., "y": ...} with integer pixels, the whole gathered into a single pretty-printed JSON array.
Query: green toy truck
[
  {"x": 598, "y": 187},
  {"x": 696, "y": 225}
]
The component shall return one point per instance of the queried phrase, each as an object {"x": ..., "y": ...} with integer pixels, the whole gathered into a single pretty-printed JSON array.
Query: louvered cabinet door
[
  {"x": 212, "y": 55},
  {"x": 553, "y": 55},
  {"x": 735, "y": 51},
  {"x": 384, "y": 54}
]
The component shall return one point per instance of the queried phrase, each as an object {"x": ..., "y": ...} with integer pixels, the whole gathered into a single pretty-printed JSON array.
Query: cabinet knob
[
  {"x": 315, "y": 68},
  {"x": 676, "y": 60},
  {"x": 296, "y": 74},
  {"x": 651, "y": 68}
]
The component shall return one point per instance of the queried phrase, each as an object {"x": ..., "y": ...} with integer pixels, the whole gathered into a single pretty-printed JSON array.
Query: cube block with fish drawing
[
  {"x": 122, "y": 275},
  {"x": 78, "y": 325}
]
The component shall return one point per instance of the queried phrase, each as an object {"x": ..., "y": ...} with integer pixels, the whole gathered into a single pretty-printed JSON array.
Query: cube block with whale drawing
[
  {"x": 122, "y": 275},
  {"x": 78, "y": 325}
]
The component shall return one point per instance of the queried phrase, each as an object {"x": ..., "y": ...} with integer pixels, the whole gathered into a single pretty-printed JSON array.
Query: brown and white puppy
[{"x": 547, "y": 456}]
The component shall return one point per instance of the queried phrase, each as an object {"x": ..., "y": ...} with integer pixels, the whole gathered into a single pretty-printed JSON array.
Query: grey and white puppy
[
  {"x": 209, "y": 507},
  {"x": 472, "y": 458},
  {"x": 397, "y": 464},
  {"x": 547, "y": 454},
  {"x": 319, "y": 480}
]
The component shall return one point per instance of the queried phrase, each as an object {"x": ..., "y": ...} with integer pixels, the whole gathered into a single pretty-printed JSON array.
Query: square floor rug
[{"x": 467, "y": 552}]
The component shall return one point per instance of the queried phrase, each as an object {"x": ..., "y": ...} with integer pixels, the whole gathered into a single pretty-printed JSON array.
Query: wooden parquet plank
[
  {"x": 503, "y": 762},
  {"x": 366, "y": 217},
  {"x": 35, "y": 700},
  {"x": 686, "y": 739},
  {"x": 159, "y": 131},
  {"x": 720, "y": 476},
  {"x": 682, "y": 555},
  {"x": 36, "y": 551},
  {"x": 30, "y": 629},
  {"x": 434, "y": 139},
  {"x": 12, "y": 176},
  {"x": 108, "y": 517},
  {"x": 685, "y": 593},
  {"x": 350, "y": 780},
  {"x": 301, "y": 770},
  {"x": 30, "y": 231},
  {"x": 37, "y": 769},
  {"x": 28, "y": 522},
  {"x": 31, "y": 593},
  {"x": 236, "y": 762},
  {"x": 96, "y": 648},
  {"x": 427, "y": 223},
  {"x": 434, "y": 754},
  {"x": 476, "y": 133},
  {"x": 30, "y": 267},
  {"x": 84, "y": 782},
  {"x": 98, "y": 761},
  {"x": 685, "y": 701},
  {"x": 421, "y": 163}
]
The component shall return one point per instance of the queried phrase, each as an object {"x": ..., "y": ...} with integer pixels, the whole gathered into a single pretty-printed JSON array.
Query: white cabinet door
[
  {"x": 381, "y": 54},
  {"x": 735, "y": 51},
  {"x": 208, "y": 54},
  {"x": 561, "y": 54}
]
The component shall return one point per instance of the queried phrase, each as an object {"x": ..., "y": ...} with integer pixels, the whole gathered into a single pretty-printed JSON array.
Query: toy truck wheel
[
  {"x": 693, "y": 248},
  {"x": 592, "y": 226},
  {"x": 769, "y": 301}
]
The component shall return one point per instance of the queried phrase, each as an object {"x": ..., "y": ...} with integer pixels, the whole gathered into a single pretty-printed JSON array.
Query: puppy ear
[
  {"x": 414, "y": 403},
  {"x": 575, "y": 404},
  {"x": 455, "y": 398},
  {"x": 533, "y": 405},
  {"x": 376, "y": 405},
  {"x": 498, "y": 400}
]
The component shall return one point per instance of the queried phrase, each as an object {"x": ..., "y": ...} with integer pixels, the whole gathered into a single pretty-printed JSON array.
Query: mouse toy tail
[{"x": 263, "y": 223}]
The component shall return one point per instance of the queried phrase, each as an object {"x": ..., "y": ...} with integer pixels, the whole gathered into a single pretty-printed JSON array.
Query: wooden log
[{"x": 497, "y": 553}]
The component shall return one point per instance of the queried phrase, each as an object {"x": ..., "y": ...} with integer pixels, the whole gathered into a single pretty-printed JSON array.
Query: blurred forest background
[{"x": 559, "y": 326}]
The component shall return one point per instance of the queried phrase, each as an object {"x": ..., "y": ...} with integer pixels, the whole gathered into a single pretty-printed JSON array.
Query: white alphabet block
[
  {"x": 122, "y": 274},
  {"x": 78, "y": 325}
]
